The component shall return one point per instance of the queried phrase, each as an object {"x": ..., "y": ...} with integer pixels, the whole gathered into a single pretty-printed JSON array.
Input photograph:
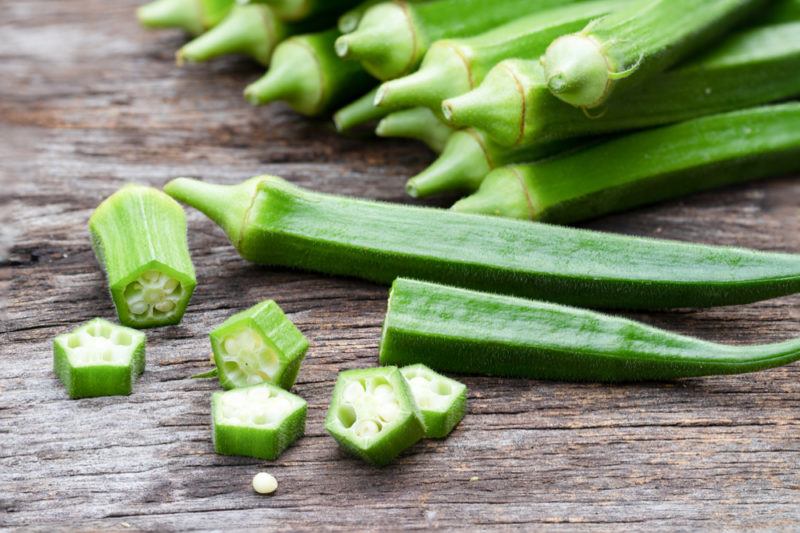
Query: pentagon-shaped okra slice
[
  {"x": 258, "y": 345},
  {"x": 442, "y": 401},
  {"x": 99, "y": 359},
  {"x": 373, "y": 414},
  {"x": 258, "y": 421},
  {"x": 139, "y": 237}
]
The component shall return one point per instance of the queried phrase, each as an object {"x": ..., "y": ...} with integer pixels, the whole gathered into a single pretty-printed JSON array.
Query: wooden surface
[{"x": 88, "y": 101}]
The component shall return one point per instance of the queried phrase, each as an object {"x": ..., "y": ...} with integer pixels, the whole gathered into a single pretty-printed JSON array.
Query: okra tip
[
  {"x": 181, "y": 14},
  {"x": 502, "y": 193},
  {"x": 577, "y": 70}
]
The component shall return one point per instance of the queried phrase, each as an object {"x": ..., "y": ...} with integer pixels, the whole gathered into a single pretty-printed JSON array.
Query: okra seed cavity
[
  {"x": 99, "y": 344},
  {"x": 254, "y": 406},
  {"x": 367, "y": 405},
  {"x": 247, "y": 359},
  {"x": 153, "y": 294},
  {"x": 264, "y": 483}
]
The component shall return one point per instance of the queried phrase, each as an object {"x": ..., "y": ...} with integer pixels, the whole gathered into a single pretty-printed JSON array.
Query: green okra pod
[
  {"x": 629, "y": 45},
  {"x": 307, "y": 74},
  {"x": 392, "y": 37},
  {"x": 455, "y": 66},
  {"x": 193, "y": 16},
  {"x": 646, "y": 167},
  {"x": 294, "y": 10},
  {"x": 460, "y": 330},
  {"x": 272, "y": 222},
  {"x": 139, "y": 237},
  {"x": 359, "y": 112},
  {"x": 419, "y": 123},
  {"x": 442, "y": 401},
  {"x": 514, "y": 106}
]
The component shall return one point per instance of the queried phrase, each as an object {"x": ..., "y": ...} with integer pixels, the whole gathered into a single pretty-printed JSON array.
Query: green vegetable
[
  {"x": 469, "y": 156},
  {"x": 193, "y": 16},
  {"x": 442, "y": 401},
  {"x": 373, "y": 414},
  {"x": 309, "y": 76},
  {"x": 780, "y": 11},
  {"x": 514, "y": 106},
  {"x": 139, "y": 237},
  {"x": 646, "y": 167},
  {"x": 633, "y": 43},
  {"x": 252, "y": 30},
  {"x": 301, "y": 9},
  {"x": 258, "y": 345},
  {"x": 348, "y": 21},
  {"x": 99, "y": 359},
  {"x": 259, "y": 421},
  {"x": 392, "y": 37},
  {"x": 416, "y": 123},
  {"x": 274, "y": 223},
  {"x": 361, "y": 111},
  {"x": 459, "y": 330},
  {"x": 455, "y": 66}
]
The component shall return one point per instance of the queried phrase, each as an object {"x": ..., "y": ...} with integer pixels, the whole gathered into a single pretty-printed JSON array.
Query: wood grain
[{"x": 88, "y": 101}]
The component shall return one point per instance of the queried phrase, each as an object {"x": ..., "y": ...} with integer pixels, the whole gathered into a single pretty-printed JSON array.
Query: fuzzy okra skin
[
  {"x": 392, "y": 37},
  {"x": 455, "y": 66},
  {"x": 258, "y": 345},
  {"x": 272, "y": 222},
  {"x": 419, "y": 123},
  {"x": 259, "y": 421},
  {"x": 634, "y": 43},
  {"x": 442, "y": 401},
  {"x": 139, "y": 238},
  {"x": 360, "y": 111},
  {"x": 460, "y": 330},
  {"x": 646, "y": 167},
  {"x": 514, "y": 106},
  {"x": 373, "y": 414},
  {"x": 307, "y": 74},
  {"x": 99, "y": 359},
  {"x": 193, "y": 16},
  {"x": 294, "y": 10}
]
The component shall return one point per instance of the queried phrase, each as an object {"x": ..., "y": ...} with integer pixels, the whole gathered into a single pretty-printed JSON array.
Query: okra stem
[
  {"x": 416, "y": 123},
  {"x": 360, "y": 111},
  {"x": 193, "y": 16},
  {"x": 272, "y": 222}
]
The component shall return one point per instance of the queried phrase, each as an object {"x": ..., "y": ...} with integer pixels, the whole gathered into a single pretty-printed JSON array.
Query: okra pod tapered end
[
  {"x": 418, "y": 123},
  {"x": 359, "y": 112},
  {"x": 502, "y": 193},
  {"x": 180, "y": 14},
  {"x": 577, "y": 71},
  {"x": 99, "y": 359},
  {"x": 442, "y": 401}
]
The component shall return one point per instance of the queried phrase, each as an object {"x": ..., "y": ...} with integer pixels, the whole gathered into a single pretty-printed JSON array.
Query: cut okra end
[
  {"x": 260, "y": 421},
  {"x": 373, "y": 414},
  {"x": 99, "y": 359},
  {"x": 442, "y": 401},
  {"x": 258, "y": 345}
]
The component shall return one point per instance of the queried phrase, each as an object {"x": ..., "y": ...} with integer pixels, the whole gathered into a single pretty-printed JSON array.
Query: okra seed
[
  {"x": 384, "y": 391},
  {"x": 367, "y": 428},
  {"x": 138, "y": 308},
  {"x": 165, "y": 306},
  {"x": 354, "y": 392},
  {"x": 264, "y": 483}
]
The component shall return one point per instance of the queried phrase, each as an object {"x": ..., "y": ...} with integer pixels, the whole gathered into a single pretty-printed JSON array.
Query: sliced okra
[
  {"x": 373, "y": 414},
  {"x": 442, "y": 401},
  {"x": 258, "y": 345},
  {"x": 99, "y": 359},
  {"x": 139, "y": 237},
  {"x": 259, "y": 421}
]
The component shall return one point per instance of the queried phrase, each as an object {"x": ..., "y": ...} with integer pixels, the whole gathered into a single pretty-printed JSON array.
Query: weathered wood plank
[{"x": 88, "y": 102}]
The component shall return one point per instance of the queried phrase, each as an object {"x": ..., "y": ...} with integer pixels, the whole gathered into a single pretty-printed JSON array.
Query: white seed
[
  {"x": 367, "y": 428},
  {"x": 264, "y": 483},
  {"x": 279, "y": 406},
  {"x": 138, "y": 308},
  {"x": 171, "y": 284},
  {"x": 419, "y": 383},
  {"x": 231, "y": 345},
  {"x": 388, "y": 411},
  {"x": 384, "y": 392},
  {"x": 259, "y": 395},
  {"x": 354, "y": 392},
  {"x": 166, "y": 306}
]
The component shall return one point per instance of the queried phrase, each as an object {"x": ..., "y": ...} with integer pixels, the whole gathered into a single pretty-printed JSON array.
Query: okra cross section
[
  {"x": 99, "y": 359},
  {"x": 373, "y": 414},
  {"x": 442, "y": 401},
  {"x": 259, "y": 421},
  {"x": 258, "y": 345},
  {"x": 139, "y": 237}
]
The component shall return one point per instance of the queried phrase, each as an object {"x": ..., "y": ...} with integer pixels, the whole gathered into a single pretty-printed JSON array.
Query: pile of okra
[{"x": 547, "y": 111}]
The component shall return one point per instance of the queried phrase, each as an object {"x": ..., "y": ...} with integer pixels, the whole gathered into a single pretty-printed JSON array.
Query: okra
[
  {"x": 392, "y": 37},
  {"x": 193, "y": 16},
  {"x": 373, "y": 414},
  {"x": 646, "y": 167},
  {"x": 514, "y": 106},
  {"x": 99, "y": 359},
  {"x": 360, "y": 111},
  {"x": 442, "y": 401},
  {"x": 272, "y": 222},
  {"x": 418, "y": 123},
  {"x": 259, "y": 421},
  {"x": 455, "y": 66},
  {"x": 258, "y": 345},
  {"x": 469, "y": 156},
  {"x": 348, "y": 21},
  {"x": 459, "y": 330},
  {"x": 294, "y": 10},
  {"x": 634, "y": 43},
  {"x": 309, "y": 76},
  {"x": 139, "y": 238}
]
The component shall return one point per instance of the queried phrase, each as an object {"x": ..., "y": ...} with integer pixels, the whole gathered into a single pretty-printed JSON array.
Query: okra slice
[
  {"x": 99, "y": 359},
  {"x": 259, "y": 421},
  {"x": 441, "y": 400},
  {"x": 258, "y": 345},
  {"x": 373, "y": 414},
  {"x": 139, "y": 237}
]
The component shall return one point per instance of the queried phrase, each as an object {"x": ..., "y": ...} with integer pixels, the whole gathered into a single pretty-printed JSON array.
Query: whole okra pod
[
  {"x": 294, "y": 10},
  {"x": 272, "y": 222},
  {"x": 193, "y": 16},
  {"x": 360, "y": 111}
]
